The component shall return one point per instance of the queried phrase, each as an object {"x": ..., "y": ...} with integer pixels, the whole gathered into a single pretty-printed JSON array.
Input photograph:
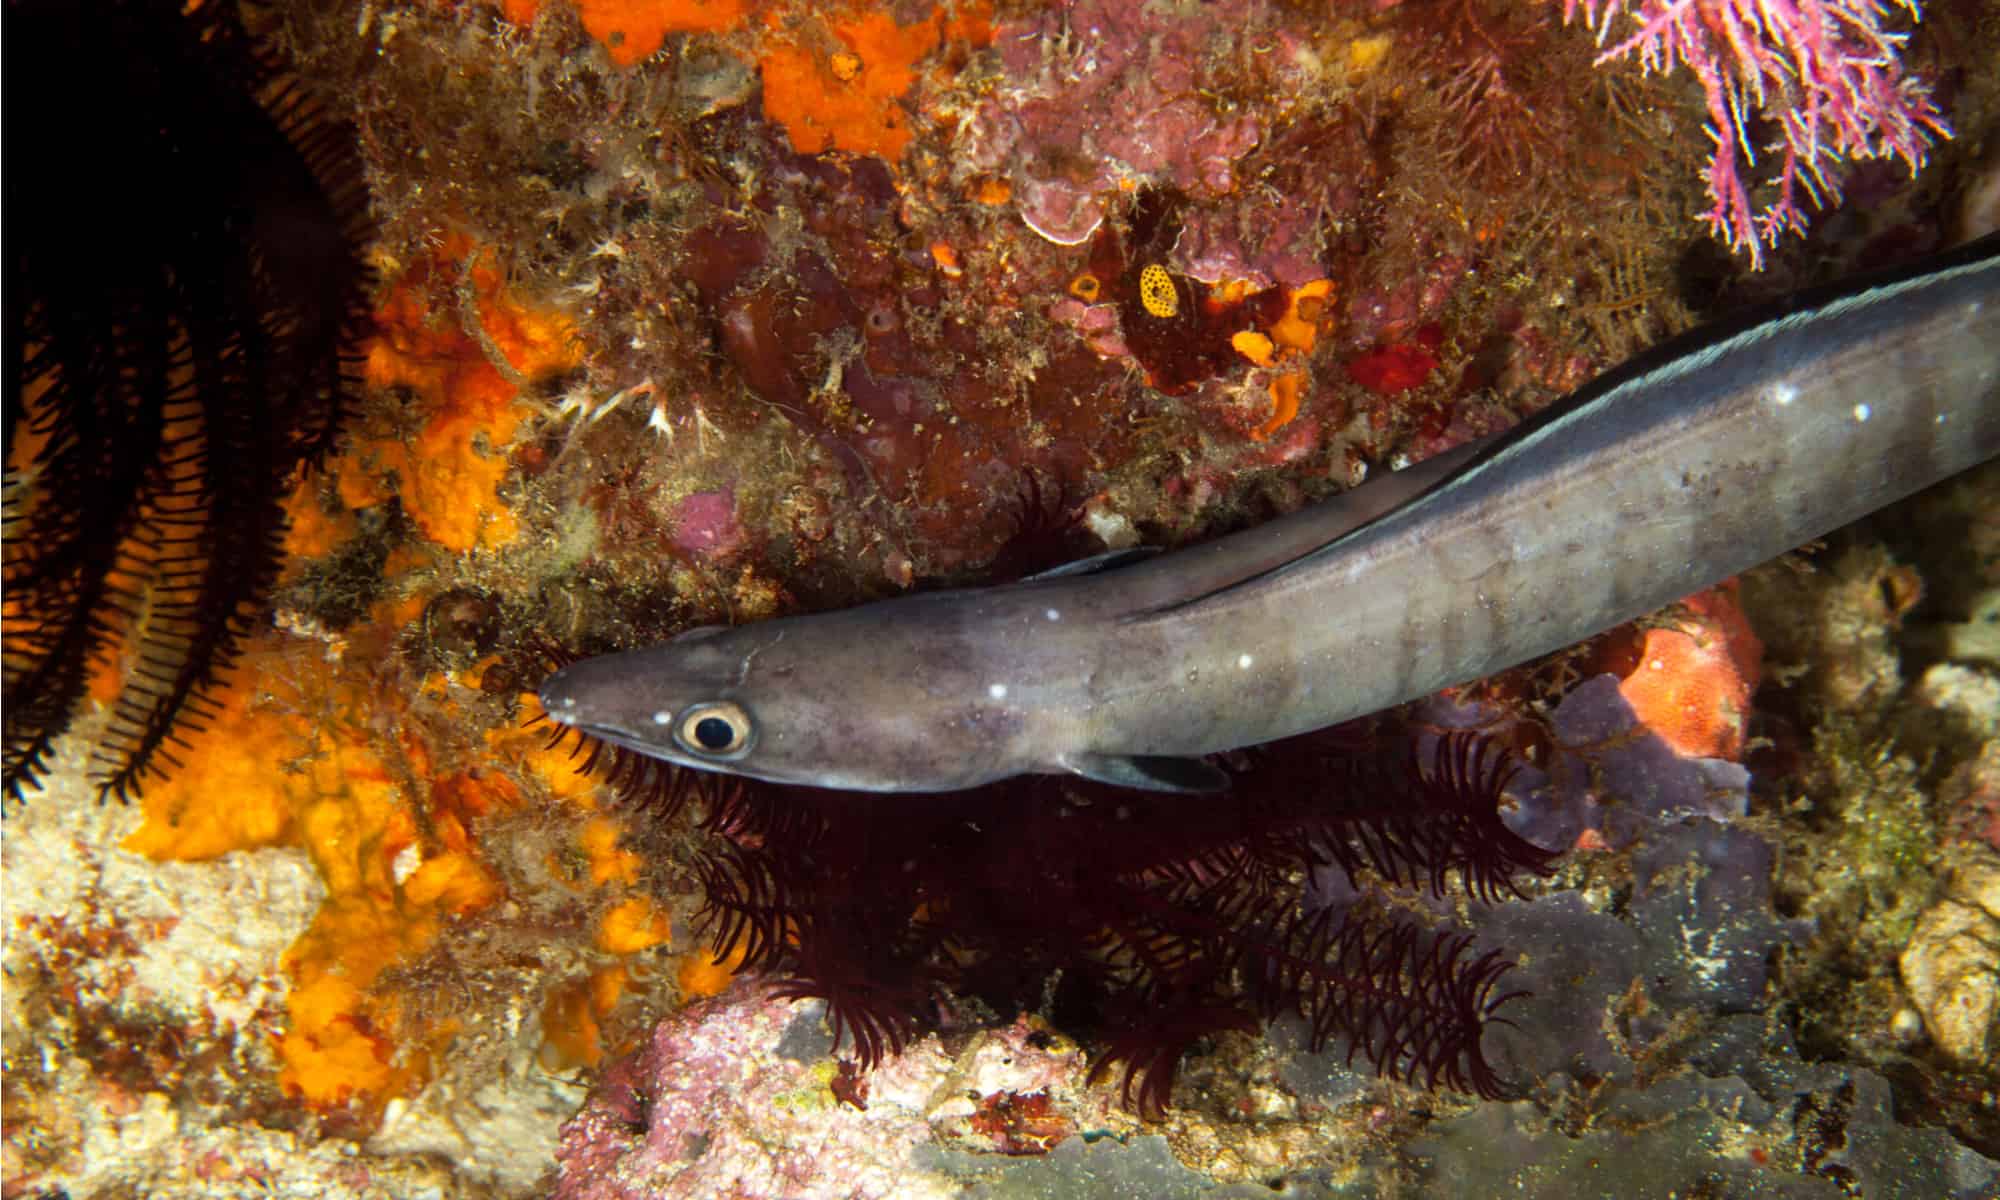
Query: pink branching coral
[{"x": 1827, "y": 71}]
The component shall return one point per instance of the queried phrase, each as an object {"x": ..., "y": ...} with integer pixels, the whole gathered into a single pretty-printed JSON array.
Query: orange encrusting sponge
[
  {"x": 700, "y": 975},
  {"x": 446, "y": 483},
  {"x": 849, "y": 98},
  {"x": 833, "y": 80},
  {"x": 634, "y": 30},
  {"x": 1694, "y": 680},
  {"x": 572, "y": 1020},
  {"x": 266, "y": 774}
]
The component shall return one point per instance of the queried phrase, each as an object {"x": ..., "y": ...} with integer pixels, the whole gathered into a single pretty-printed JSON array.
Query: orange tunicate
[
  {"x": 332, "y": 1058},
  {"x": 1253, "y": 346},
  {"x": 1694, "y": 680},
  {"x": 1286, "y": 339},
  {"x": 1305, "y": 308},
  {"x": 1285, "y": 392}
]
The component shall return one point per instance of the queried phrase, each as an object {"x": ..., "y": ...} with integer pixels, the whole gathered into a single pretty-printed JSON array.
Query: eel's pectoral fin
[{"x": 1152, "y": 772}]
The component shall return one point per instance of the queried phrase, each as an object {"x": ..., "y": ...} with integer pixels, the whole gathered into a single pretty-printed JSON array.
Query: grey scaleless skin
[{"x": 1704, "y": 457}]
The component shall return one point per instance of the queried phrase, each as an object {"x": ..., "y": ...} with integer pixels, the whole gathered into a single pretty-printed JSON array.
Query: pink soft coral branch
[{"x": 1826, "y": 70}]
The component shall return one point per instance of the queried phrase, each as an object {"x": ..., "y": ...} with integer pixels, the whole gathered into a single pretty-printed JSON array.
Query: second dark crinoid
[{"x": 1142, "y": 922}]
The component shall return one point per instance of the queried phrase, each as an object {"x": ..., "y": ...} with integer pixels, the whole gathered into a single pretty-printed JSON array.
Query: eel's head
[{"x": 871, "y": 699}]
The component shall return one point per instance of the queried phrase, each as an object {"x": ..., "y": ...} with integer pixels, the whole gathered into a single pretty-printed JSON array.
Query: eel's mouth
[
  {"x": 667, "y": 752},
  {"x": 625, "y": 741}
]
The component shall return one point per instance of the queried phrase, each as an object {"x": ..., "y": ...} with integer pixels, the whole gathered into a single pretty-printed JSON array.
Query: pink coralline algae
[
  {"x": 1276, "y": 248},
  {"x": 705, "y": 525},
  {"x": 709, "y": 1108},
  {"x": 1101, "y": 96},
  {"x": 1096, "y": 324},
  {"x": 1378, "y": 316},
  {"x": 1827, "y": 71},
  {"x": 1315, "y": 172},
  {"x": 737, "y": 1096}
]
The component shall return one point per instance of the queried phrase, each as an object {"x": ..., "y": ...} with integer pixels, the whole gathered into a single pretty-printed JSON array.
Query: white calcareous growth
[{"x": 1952, "y": 966}]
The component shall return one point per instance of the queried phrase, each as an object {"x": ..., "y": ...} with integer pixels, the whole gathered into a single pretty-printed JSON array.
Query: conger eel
[{"x": 1708, "y": 455}]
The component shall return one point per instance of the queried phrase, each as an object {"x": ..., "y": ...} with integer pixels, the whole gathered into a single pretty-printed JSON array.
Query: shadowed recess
[{"x": 184, "y": 273}]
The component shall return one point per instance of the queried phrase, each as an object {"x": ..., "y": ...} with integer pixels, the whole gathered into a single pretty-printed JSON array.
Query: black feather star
[
  {"x": 184, "y": 275},
  {"x": 1143, "y": 922}
]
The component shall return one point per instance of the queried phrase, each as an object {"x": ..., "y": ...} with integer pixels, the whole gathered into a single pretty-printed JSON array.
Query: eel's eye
[{"x": 717, "y": 729}]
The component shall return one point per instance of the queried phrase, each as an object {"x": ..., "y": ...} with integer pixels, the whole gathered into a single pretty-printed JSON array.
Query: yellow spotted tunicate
[{"x": 1156, "y": 291}]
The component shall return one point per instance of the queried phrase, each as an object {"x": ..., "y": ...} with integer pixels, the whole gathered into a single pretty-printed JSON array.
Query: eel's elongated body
[{"x": 1705, "y": 457}]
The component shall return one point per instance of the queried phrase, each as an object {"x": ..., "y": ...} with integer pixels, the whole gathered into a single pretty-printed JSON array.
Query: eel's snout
[
  {"x": 611, "y": 693},
  {"x": 558, "y": 697}
]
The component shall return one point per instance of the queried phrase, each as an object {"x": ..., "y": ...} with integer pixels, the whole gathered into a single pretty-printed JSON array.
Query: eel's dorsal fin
[
  {"x": 1110, "y": 560},
  {"x": 1223, "y": 565}
]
